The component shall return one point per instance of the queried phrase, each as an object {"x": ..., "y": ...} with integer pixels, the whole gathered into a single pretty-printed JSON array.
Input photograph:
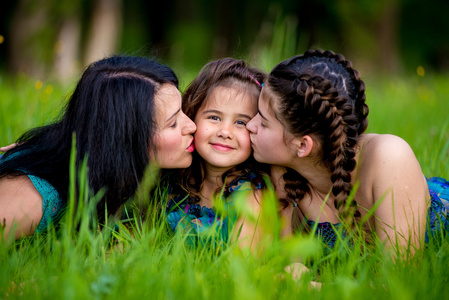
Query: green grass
[{"x": 150, "y": 262}]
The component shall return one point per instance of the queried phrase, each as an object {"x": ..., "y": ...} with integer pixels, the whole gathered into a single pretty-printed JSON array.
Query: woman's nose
[{"x": 190, "y": 126}]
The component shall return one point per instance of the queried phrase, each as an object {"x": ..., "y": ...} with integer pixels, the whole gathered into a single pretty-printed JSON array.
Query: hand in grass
[
  {"x": 296, "y": 270},
  {"x": 7, "y": 148}
]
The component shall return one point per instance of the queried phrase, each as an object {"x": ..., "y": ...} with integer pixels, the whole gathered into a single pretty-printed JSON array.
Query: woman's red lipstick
[{"x": 191, "y": 147}]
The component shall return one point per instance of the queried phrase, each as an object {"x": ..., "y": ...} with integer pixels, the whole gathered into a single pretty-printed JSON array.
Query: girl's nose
[
  {"x": 251, "y": 125},
  {"x": 225, "y": 131}
]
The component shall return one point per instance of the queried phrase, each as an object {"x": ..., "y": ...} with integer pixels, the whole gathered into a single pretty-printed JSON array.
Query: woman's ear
[{"x": 303, "y": 145}]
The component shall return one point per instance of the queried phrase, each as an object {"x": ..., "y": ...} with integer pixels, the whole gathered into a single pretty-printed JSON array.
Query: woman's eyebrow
[{"x": 173, "y": 115}]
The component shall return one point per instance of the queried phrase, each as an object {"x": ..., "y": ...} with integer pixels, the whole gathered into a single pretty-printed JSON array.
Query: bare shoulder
[
  {"x": 15, "y": 186},
  {"x": 386, "y": 161},
  {"x": 385, "y": 149},
  {"x": 390, "y": 172},
  {"x": 379, "y": 142},
  {"x": 20, "y": 204}
]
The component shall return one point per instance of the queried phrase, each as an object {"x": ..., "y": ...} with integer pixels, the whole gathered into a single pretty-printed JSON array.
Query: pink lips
[
  {"x": 222, "y": 147},
  {"x": 191, "y": 147}
]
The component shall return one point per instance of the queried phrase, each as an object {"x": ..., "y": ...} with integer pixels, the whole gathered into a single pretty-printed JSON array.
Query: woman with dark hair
[
  {"x": 311, "y": 121},
  {"x": 125, "y": 113}
]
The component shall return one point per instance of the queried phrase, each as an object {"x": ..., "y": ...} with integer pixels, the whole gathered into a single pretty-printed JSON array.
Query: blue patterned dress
[
  {"x": 437, "y": 215},
  {"x": 206, "y": 226}
]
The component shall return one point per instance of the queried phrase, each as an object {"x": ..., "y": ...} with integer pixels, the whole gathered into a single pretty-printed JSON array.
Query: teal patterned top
[
  {"x": 182, "y": 212},
  {"x": 206, "y": 226},
  {"x": 52, "y": 204},
  {"x": 437, "y": 215}
]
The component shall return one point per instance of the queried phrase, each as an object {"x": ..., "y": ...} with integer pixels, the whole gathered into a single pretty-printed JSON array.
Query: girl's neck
[
  {"x": 211, "y": 183},
  {"x": 318, "y": 176}
]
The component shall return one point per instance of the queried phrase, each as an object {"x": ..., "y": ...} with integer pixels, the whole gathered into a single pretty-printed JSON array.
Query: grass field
[{"x": 151, "y": 263}]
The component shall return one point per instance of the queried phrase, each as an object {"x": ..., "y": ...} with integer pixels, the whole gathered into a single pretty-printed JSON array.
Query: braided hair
[{"x": 322, "y": 95}]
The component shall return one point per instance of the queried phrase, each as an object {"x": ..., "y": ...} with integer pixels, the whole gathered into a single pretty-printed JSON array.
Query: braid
[
  {"x": 296, "y": 188},
  {"x": 356, "y": 88},
  {"x": 323, "y": 95}
]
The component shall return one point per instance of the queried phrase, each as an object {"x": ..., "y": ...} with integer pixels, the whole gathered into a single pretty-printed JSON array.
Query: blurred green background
[{"x": 55, "y": 39}]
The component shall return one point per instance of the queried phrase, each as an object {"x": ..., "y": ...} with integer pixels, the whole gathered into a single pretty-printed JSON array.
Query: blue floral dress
[
  {"x": 207, "y": 226},
  {"x": 437, "y": 215}
]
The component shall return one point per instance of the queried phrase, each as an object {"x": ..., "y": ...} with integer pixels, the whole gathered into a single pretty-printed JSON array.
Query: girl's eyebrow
[
  {"x": 219, "y": 112},
  {"x": 213, "y": 111},
  {"x": 245, "y": 116},
  {"x": 263, "y": 117}
]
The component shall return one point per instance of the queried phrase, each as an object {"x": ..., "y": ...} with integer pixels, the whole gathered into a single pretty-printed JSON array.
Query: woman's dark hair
[
  {"x": 320, "y": 94},
  {"x": 112, "y": 114},
  {"x": 227, "y": 72}
]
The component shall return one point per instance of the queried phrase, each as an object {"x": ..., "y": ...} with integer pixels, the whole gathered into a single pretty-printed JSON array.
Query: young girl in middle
[{"x": 221, "y": 101}]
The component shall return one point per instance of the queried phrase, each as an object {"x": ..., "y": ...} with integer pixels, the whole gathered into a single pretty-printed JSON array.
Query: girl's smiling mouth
[{"x": 221, "y": 147}]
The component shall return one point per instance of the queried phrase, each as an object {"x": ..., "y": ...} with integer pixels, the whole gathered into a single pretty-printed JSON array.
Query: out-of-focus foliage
[{"x": 388, "y": 36}]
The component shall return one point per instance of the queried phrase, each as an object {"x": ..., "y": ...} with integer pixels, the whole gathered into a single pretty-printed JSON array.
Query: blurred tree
[
  {"x": 46, "y": 36},
  {"x": 31, "y": 38},
  {"x": 424, "y": 34},
  {"x": 369, "y": 32},
  {"x": 104, "y": 30},
  {"x": 67, "y": 44}
]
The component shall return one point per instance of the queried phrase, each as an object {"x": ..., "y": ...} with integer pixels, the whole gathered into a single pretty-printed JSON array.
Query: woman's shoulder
[
  {"x": 21, "y": 202},
  {"x": 17, "y": 187}
]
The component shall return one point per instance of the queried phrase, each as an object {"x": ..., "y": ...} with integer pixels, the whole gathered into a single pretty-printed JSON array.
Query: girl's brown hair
[
  {"x": 224, "y": 72},
  {"x": 320, "y": 94}
]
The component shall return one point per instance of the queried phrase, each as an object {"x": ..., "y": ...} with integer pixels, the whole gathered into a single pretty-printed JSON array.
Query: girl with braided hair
[{"x": 312, "y": 115}]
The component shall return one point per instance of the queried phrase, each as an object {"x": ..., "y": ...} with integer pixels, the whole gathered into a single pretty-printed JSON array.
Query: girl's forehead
[{"x": 221, "y": 95}]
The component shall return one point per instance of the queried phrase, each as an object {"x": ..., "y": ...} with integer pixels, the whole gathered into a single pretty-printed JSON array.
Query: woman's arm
[
  {"x": 20, "y": 206},
  {"x": 396, "y": 179}
]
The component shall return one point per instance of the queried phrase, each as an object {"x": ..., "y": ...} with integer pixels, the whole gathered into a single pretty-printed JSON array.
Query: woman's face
[
  {"x": 270, "y": 142},
  {"x": 173, "y": 138}
]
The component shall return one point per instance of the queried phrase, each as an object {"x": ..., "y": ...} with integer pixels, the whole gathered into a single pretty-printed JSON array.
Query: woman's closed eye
[{"x": 174, "y": 124}]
